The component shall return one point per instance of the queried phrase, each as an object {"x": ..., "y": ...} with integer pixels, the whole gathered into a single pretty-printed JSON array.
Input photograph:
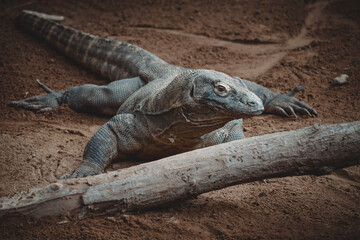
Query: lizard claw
[
  {"x": 296, "y": 90},
  {"x": 65, "y": 176},
  {"x": 47, "y": 89}
]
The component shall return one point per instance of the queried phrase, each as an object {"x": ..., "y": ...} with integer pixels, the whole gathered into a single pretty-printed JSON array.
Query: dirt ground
[{"x": 276, "y": 43}]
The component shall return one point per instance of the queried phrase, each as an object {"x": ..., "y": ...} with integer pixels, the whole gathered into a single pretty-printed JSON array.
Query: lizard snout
[{"x": 252, "y": 104}]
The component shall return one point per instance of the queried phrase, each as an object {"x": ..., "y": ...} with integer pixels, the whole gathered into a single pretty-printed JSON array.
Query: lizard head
[{"x": 228, "y": 95}]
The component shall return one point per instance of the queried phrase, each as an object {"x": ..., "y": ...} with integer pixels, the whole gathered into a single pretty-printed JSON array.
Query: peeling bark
[{"x": 319, "y": 149}]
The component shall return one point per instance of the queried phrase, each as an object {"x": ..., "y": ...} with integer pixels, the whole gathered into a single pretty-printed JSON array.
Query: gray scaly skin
[{"x": 158, "y": 109}]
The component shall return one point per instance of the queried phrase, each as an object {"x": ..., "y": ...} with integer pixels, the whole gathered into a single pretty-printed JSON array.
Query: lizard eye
[{"x": 221, "y": 89}]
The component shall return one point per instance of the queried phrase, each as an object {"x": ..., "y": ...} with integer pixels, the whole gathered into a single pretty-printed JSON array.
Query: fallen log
[{"x": 319, "y": 149}]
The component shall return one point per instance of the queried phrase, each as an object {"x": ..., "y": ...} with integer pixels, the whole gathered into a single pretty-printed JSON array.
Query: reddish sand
[{"x": 277, "y": 43}]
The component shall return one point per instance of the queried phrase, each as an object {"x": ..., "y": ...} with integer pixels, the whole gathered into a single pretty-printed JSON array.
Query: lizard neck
[{"x": 179, "y": 129}]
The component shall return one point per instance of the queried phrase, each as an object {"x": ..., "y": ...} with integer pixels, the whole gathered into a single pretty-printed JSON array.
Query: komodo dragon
[{"x": 158, "y": 109}]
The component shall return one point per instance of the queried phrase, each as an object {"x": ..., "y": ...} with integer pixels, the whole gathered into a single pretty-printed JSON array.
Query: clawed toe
[
  {"x": 296, "y": 90},
  {"x": 65, "y": 176}
]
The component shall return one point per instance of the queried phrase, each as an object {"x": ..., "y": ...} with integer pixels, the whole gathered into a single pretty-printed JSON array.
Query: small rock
[
  {"x": 342, "y": 79},
  {"x": 63, "y": 222}
]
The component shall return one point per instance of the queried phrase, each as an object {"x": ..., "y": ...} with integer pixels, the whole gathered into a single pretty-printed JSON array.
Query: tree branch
[{"x": 319, "y": 149}]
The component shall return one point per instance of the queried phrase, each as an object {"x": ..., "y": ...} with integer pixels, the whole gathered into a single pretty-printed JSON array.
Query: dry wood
[{"x": 319, "y": 149}]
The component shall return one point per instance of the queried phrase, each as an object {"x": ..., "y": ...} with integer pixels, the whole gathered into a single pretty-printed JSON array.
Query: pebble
[
  {"x": 62, "y": 222},
  {"x": 342, "y": 79}
]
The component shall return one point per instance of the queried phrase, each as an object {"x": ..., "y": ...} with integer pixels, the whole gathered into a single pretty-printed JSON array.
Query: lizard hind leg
[{"x": 45, "y": 16}]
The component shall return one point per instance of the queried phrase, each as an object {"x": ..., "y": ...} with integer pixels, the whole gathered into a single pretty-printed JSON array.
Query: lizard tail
[
  {"x": 111, "y": 59},
  {"x": 45, "y": 16}
]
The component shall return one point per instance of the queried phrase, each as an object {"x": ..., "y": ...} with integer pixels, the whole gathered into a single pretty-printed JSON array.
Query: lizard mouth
[
  {"x": 258, "y": 112},
  {"x": 251, "y": 113}
]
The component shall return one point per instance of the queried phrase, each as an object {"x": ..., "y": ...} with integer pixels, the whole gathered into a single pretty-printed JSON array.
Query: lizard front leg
[
  {"x": 281, "y": 104},
  {"x": 121, "y": 136},
  {"x": 229, "y": 132},
  {"x": 104, "y": 100}
]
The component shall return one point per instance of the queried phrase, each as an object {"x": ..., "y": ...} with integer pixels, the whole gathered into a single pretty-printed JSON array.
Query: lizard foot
[
  {"x": 287, "y": 105},
  {"x": 84, "y": 170},
  {"x": 41, "y": 103}
]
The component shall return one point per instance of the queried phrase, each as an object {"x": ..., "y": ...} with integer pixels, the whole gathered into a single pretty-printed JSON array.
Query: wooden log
[{"x": 319, "y": 149}]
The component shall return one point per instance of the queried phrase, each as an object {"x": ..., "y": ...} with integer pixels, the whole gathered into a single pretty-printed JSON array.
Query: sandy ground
[{"x": 277, "y": 43}]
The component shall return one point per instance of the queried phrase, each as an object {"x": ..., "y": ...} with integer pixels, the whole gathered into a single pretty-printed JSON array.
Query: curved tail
[{"x": 110, "y": 58}]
